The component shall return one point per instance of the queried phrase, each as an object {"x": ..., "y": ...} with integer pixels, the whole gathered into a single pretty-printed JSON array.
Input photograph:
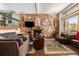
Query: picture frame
[{"x": 44, "y": 23}]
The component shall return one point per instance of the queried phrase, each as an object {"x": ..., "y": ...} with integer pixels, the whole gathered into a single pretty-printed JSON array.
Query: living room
[{"x": 39, "y": 29}]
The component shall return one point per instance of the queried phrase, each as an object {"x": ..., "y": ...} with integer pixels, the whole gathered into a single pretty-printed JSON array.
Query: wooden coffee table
[{"x": 39, "y": 43}]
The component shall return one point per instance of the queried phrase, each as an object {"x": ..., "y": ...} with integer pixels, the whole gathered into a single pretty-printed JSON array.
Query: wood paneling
[
  {"x": 7, "y": 28},
  {"x": 48, "y": 30}
]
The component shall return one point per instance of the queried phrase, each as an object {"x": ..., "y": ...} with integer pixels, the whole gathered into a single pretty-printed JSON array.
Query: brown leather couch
[
  {"x": 63, "y": 39},
  {"x": 14, "y": 46}
]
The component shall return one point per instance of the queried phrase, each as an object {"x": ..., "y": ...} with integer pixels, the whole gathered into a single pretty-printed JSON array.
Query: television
[{"x": 29, "y": 24}]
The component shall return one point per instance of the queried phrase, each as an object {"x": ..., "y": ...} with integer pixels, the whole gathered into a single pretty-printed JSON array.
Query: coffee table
[{"x": 39, "y": 43}]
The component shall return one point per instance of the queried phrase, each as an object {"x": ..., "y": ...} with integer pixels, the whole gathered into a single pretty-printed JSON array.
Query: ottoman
[
  {"x": 62, "y": 40},
  {"x": 75, "y": 43}
]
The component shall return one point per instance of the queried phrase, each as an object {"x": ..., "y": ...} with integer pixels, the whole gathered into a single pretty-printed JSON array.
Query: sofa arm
[
  {"x": 9, "y": 48},
  {"x": 24, "y": 48}
]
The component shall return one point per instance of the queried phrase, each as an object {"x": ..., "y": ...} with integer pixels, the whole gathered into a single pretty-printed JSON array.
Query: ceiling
[{"x": 40, "y": 7}]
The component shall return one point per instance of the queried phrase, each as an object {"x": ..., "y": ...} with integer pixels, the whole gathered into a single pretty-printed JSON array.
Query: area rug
[
  {"x": 31, "y": 51},
  {"x": 54, "y": 47}
]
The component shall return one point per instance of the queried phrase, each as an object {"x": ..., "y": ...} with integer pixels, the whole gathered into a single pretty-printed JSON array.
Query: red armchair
[
  {"x": 75, "y": 42},
  {"x": 77, "y": 36}
]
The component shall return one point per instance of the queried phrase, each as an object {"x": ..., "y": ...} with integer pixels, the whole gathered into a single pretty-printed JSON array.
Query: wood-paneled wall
[
  {"x": 52, "y": 19},
  {"x": 7, "y": 28}
]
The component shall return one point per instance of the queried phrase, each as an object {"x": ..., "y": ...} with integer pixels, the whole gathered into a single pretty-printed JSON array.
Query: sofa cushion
[
  {"x": 9, "y": 35},
  {"x": 1, "y": 37},
  {"x": 19, "y": 40},
  {"x": 22, "y": 36},
  {"x": 4, "y": 35}
]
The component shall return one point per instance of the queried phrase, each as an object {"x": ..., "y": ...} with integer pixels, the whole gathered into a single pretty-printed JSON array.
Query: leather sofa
[
  {"x": 13, "y": 46},
  {"x": 63, "y": 39}
]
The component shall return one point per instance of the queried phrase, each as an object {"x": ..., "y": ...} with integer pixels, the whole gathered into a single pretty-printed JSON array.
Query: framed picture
[{"x": 44, "y": 23}]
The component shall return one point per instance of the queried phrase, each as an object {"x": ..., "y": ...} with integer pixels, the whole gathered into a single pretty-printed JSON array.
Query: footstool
[
  {"x": 62, "y": 40},
  {"x": 75, "y": 43}
]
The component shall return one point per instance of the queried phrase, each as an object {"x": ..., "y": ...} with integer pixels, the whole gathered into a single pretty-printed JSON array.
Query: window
[{"x": 71, "y": 24}]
